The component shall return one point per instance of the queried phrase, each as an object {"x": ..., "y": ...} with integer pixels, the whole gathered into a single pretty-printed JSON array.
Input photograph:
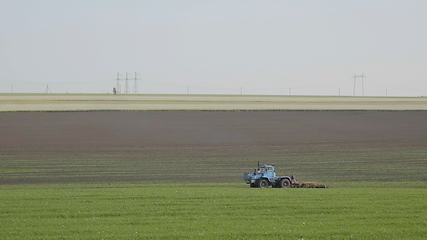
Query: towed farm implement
[{"x": 265, "y": 176}]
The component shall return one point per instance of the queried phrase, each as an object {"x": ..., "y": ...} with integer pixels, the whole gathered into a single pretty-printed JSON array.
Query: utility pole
[
  {"x": 188, "y": 90},
  {"x": 126, "y": 84},
  {"x": 118, "y": 83},
  {"x": 339, "y": 91},
  {"x": 241, "y": 91},
  {"x": 47, "y": 88},
  {"x": 135, "y": 86}
]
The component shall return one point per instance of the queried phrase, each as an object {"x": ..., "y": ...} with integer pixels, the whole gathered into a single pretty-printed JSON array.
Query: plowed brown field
[{"x": 202, "y": 146}]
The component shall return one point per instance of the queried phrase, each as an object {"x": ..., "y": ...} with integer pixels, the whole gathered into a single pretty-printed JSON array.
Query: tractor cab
[{"x": 265, "y": 171}]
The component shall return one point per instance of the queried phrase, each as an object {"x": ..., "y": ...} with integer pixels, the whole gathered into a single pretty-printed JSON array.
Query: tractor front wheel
[
  {"x": 263, "y": 183},
  {"x": 285, "y": 183}
]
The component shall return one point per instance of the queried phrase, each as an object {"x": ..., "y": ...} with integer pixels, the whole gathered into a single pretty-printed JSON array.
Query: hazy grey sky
[{"x": 218, "y": 46}]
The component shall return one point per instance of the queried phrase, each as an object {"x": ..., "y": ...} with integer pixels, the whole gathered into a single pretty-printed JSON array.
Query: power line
[
  {"x": 359, "y": 78},
  {"x": 127, "y": 88}
]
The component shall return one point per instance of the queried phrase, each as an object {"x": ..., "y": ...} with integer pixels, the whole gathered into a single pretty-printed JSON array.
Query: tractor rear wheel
[
  {"x": 263, "y": 183},
  {"x": 285, "y": 183}
]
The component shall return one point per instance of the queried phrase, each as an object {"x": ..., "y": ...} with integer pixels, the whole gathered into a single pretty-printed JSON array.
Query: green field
[
  {"x": 177, "y": 174},
  {"x": 210, "y": 211},
  {"x": 88, "y": 102}
]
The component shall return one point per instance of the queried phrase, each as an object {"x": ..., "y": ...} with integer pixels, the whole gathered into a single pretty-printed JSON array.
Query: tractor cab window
[{"x": 269, "y": 169}]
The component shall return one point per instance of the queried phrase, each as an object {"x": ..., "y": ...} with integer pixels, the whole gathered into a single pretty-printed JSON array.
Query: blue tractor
[{"x": 265, "y": 176}]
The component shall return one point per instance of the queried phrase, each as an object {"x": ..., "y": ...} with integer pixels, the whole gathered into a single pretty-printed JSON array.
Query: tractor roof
[{"x": 267, "y": 166}]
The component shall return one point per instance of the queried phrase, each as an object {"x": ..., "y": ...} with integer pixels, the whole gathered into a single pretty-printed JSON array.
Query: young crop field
[
  {"x": 88, "y": 102},
  {"x": 210, "y": 211}
]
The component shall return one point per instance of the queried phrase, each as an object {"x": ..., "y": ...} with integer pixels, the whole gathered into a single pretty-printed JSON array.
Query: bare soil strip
[{"x": 92, "y": 102}]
